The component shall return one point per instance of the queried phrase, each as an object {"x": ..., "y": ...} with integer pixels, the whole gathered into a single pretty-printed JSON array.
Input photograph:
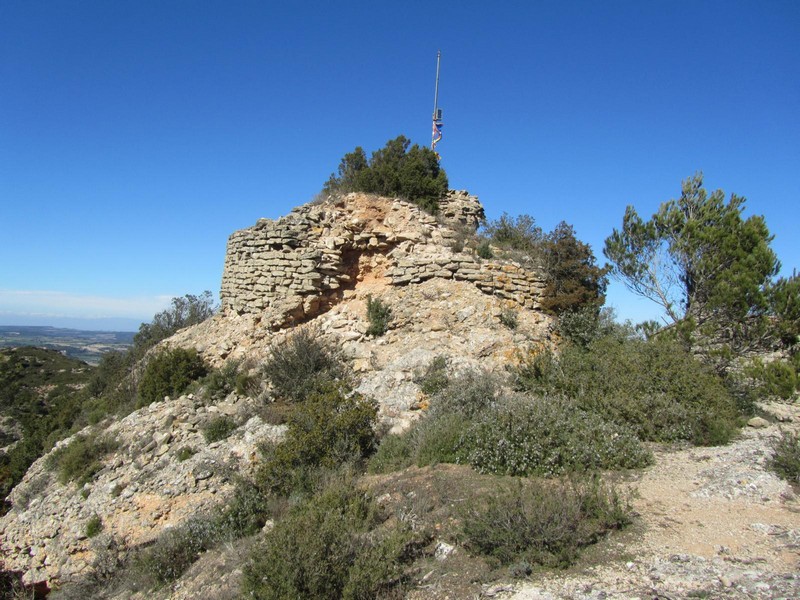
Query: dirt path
[{"x": 714, "y": 524}]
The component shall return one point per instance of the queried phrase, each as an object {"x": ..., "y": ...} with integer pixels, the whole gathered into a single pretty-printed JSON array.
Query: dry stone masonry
[{"x": 299, "y": 265}]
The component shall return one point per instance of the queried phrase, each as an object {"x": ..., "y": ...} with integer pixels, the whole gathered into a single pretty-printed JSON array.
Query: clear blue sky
[{"x": 135, "y": 136}]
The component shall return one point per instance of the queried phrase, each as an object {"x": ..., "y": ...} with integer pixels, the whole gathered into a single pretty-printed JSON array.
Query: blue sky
[{"x": 136, "y": 136}]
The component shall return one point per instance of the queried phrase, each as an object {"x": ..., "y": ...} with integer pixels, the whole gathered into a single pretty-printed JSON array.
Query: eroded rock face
[{"x": 143, "y": 488}]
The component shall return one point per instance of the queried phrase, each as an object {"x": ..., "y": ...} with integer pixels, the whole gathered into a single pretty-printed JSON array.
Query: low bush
[
  {"x": 395, "y": 453},
  {"x": 470, "y": 422},
  {"x": 434, "y": 377},
  {"x": 776, "y": 378},
  {"x": 169, "y": 373},
  {"x": 218, "y": 383},
  {"x": 655, "y": 387},
  {"x": 468, "y": 394},
  {"x": 484, "y": 250},
  {"x": 93, "y": 526},
  {"x": 332, "y": 546},
  {"x": 330, "y": 428},
  {"x": 174, "y": 551},
  {"x": 508, "y": 317},
  {"x": 379, "y": 316},
  {"x": 218, "y": 428},
  {"x": 543, "y": 522},
  {"x": 80, "y": 460},
  {"x": 302, "y": 364},
  {"x": 185, "y": 453},
  {"x": 785, "y": 460},
  {"x": 549, "y": 436}
]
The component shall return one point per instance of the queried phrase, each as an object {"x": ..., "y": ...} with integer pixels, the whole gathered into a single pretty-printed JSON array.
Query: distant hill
[{"x": 87, "y": 346}]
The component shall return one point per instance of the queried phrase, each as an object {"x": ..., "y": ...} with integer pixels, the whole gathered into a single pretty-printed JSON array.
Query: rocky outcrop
[{"x": 162, "y": 473}]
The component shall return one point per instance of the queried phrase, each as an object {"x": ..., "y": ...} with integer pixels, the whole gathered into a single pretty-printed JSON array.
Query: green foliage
[
  {"x": 379, "y": 316},
  {"x": 40, "y": 392},
  {"x": 93, "y": 526},
  {"x": 435, "y": 376},
  {"x": 784, "y": 301},
  {"x": 508, "y": 317},
  {"x": 520, "y": 234},
  {"x": 175, "y": 550},
  {"x": 468, "y": 394},
  {"x": 395, "y": 171},
  {"x": 185, "y": 311},
  {"x": 785, "y": 459},
  {"x": 549, "y": 436},
  {"x": 484, "y": 250},
  {"x": 584, "y": 325},
  {"x": 302, "y": 364},
  {"x": 395, "y": 453},
  {"x": 169, "y": 373},
  {"x": 185, "y": 453},
  {"x": 543, "y": 522},
  {"x": 573, "y": 280},
  {"x": 331, "y": 546},
  {"x": 696, "y": 257},
  {"x": 218, "y": 428},
  {"x": 80, "y": 460},
  {"x": 655, "y": 387},
  {"x": 472, "y": 422},
  {"x": 328, "y": 429},
  {"x": 218, "y": 383},
  {"x": 776, "y": 378}
]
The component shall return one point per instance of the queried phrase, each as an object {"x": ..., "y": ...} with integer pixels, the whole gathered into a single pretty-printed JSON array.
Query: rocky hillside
[
  {"x": 313, "y": 268},
  {"x": 711, "y": 522}
]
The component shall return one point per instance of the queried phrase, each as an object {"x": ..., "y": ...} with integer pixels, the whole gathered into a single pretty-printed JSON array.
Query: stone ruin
[{"x": 297, "y": 267}]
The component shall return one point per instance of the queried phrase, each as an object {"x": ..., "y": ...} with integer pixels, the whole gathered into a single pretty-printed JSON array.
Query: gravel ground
[{"x": 714, "y": 524}]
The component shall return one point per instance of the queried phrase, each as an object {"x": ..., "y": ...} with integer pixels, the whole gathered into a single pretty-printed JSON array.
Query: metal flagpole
[{"x": 436, "y": 134}]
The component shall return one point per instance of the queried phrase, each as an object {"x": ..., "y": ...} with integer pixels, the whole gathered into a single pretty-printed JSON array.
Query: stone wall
[{"x": 299, "y": 265}]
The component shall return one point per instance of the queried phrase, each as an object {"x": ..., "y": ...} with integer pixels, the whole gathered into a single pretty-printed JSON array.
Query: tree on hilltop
[
  {"x": 698, "y": 259},
  {"x": 395, "y": 171}
]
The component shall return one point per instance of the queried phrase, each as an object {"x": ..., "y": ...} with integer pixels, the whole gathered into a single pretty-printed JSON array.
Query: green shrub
[
  {"x": 438, "y": 437},
  {"x": 467, "y": 394},
  {"x": 169, "y": 373},
  {"x": 80, "y": 460},
  {"x": 441, "y": 439},
  {"x": 520, "y": 234},
  {"x": 93, "y": 526},
  {"x": 185, "y": 453},
  {"x": 543, "y": 522},
  {"x": 549, "y": 436},
  {"x": 218, "y": 383},
  {"x": 395, "y": 171},
  {"x": 218, "y": 428},
  {"x": 776, "y": 378},
  {"x": 395, "y": 453},
  {"x": 484, "y": 250},
  {"x": 655, "y": 387},
  {"x": 331, "y": 546},
  {"x": 379, "y": 316},
  {"x": 302, "y": 364},
  {"x": 435, "y": 377},
  {"x": 785, "y": 459},
  {"x": 328, "y": 429},
  {"x": 175, "y": 550},
  {"x": 508, "y": 317}
]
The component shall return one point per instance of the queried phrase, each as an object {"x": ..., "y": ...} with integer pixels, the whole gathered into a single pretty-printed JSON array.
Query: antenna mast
[{"x": 436, "y": 135}]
